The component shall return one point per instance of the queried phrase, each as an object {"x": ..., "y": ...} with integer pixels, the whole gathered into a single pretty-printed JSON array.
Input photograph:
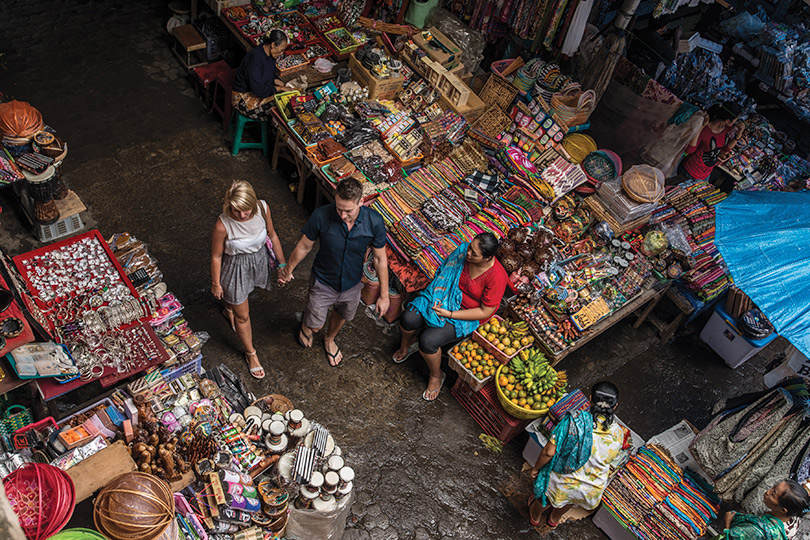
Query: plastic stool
[
  {"x": 223, "y": 88},
  {"x": 239, "y": 127}
]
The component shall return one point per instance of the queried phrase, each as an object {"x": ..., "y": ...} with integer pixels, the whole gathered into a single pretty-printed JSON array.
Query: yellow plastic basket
[
  {"x": 282, "y": 100},
  {"x": 518, "y": 412}
]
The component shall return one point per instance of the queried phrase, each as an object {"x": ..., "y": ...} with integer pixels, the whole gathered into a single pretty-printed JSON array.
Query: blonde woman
[{"x": 240, "y": 261}]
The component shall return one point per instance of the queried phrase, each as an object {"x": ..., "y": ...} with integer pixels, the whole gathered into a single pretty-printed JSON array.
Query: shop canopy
[{"x": 764, "y": 238}]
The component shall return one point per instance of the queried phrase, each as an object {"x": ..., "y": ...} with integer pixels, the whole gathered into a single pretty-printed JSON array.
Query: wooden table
[{"x": 648, "y": 297}]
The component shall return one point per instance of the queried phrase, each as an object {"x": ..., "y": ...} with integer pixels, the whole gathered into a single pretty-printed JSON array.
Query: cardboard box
[
  {"x": 470, "y": 110},
  {"x": 377, "y": 88},
  {"x": 449, "y": 60},
  {"x": 457, "y": 92}
]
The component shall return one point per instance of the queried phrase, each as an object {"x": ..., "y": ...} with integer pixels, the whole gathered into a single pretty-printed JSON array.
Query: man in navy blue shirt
[{"x": 346, "y": 229}]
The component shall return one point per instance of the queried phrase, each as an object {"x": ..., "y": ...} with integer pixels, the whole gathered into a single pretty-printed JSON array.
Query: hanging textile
[{"x": 577, "y": 28}]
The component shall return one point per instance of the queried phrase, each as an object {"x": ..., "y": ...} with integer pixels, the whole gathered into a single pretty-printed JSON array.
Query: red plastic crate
[{"x": 483, "y": 406}]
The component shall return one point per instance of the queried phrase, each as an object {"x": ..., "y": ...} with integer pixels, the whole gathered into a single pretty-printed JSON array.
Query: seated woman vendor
[
  {"x": 703, "y": 151},
  {"x": 256, "y": 79},
  {"x": 786, "y": 502},
  {"x": 466, "y": 291}
]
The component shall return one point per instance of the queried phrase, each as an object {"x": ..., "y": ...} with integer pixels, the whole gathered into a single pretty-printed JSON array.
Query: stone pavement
[{"x": 147, "y": 158}]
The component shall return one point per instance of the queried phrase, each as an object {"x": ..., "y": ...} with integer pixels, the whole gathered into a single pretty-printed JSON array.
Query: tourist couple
[
  {"x": 240, "y": 262},
  {"x": 466, "y": 290}
]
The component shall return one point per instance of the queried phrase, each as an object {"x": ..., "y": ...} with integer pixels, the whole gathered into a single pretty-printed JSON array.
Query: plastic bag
[
  {"x": 743, "y": 26},
  {"x": 677, "y": 239},
  {"x": 469, "y": 41},
  {"x": 308, "y": 524}
]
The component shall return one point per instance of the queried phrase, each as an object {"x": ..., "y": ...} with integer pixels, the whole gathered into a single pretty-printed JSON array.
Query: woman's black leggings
[{"x": 432, "y": 339}]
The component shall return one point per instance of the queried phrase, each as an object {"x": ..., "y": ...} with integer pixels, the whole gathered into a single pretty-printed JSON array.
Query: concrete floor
[{"x": 147, "y": 158}]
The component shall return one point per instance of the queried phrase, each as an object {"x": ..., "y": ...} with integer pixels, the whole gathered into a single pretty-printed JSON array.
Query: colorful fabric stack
[
  {"x": 575, "y": 400},
  {"x": 690, "y": 206},
  {"x": 656, "y": 500}
]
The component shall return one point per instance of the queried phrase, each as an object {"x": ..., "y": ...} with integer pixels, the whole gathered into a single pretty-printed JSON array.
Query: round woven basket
[
  {"x": 518, "y": 412},
  {"x": 578, "y": 146},
  {"x": 135, "y": 506},
  {"x": 599, "y": 167},
  {"x": 643, "y": 184},
  {"x": 276, "y": 403}
]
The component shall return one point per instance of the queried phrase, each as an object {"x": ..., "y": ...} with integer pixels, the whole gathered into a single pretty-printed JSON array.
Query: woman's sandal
[
  {"x": 438, "y": 390},
  {"x": 551, "y": 523},
  {"x": 228, "y": 314},
  {"x": 412, "y": 349},
  {"x": 255, "y": 372}
]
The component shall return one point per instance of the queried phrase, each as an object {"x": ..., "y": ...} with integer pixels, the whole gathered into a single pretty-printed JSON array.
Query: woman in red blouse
[
  {"x": 705, "y": 149},
  {"x": 483, "y": 282}
]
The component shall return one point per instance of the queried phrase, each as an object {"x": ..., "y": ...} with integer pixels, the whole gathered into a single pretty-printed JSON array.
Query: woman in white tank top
[{"x": 240, "y": 261}]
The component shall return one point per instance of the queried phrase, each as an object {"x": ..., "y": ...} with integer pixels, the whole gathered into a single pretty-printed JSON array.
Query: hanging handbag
[{"x": 267, "y": 242}]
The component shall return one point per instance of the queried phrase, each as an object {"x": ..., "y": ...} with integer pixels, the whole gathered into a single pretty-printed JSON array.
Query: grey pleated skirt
[{"x": 244, "y": 272}]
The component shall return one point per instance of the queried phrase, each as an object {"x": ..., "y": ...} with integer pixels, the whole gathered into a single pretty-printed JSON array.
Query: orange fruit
[
  {"x": 467, "y": 365},
  {"x": 513, "y": 400},
  {"x": 522, "y": 402},
  {"x": 458, "y": 356},
  {"x": 489, "y": 363},
  {"x": 503, "y": 381},
  {"x": 510, "y": 387}
]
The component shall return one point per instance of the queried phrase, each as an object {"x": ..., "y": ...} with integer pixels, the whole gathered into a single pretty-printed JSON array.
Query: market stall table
[
  {"x": 295, "y": 152},
  {"x": 647, "y": 296}
]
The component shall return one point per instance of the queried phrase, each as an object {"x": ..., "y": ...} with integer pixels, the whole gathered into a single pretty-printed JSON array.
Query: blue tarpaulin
[{"x": 764, "y": 238}]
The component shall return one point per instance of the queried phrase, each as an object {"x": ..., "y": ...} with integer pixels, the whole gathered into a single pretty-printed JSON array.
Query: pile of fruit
[
  {"x": 475, "y": 359},
  {"x": 507, "y": 336},
  {"x": 529, "y": 381}
]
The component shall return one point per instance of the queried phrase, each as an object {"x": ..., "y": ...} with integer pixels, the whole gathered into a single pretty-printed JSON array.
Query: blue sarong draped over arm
[{"x": 445, "y": 292}]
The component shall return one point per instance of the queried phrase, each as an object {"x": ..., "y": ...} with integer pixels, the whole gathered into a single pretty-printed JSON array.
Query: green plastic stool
[{"x": 239, "y": 128}]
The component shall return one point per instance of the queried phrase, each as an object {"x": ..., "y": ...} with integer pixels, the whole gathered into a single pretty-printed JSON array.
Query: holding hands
[{"x": 285, "y": 274}]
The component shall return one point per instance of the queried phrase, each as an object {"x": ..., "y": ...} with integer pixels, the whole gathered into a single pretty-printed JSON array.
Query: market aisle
[{"x": 147, "y": 158}]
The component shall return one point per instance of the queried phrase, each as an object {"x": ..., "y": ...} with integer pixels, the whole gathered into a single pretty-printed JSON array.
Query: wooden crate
[{"x": 96, "y": 471}]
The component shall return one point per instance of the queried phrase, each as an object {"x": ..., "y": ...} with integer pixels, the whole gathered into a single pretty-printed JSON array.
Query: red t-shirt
[
  {"x": 704, "y": 155},
  {"x": 485, "y": 290}
]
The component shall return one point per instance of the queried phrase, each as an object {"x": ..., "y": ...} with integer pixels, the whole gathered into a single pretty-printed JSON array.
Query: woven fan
[{"x": 644, "y": 184}]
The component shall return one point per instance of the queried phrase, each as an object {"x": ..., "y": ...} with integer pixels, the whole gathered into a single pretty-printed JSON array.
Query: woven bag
[
  {"x": 573, "y": 105},
  {"x": 15, "y": 419}
]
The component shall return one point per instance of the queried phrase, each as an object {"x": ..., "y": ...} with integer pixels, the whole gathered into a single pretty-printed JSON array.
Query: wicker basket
[
  {"x": 498, "y": 91},
  {"x": 578, "y": 146},
  {"x": 573, "y": 105},
  {"x": 643, "y": 184},
  {"x": 493, "y": 122},
  {"x": 518, "y": 412},
  {"x": 276, "y": 403}
]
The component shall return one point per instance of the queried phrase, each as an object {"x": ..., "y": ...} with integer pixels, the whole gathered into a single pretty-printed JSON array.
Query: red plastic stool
[
  {"x": 204, "y": 76},
  {"x": 223, "y": 88}
]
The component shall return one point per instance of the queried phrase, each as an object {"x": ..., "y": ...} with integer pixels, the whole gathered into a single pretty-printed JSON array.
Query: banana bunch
[
  {"x": 516, "y": 330},
  {"x": 530, "y": 382}
]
